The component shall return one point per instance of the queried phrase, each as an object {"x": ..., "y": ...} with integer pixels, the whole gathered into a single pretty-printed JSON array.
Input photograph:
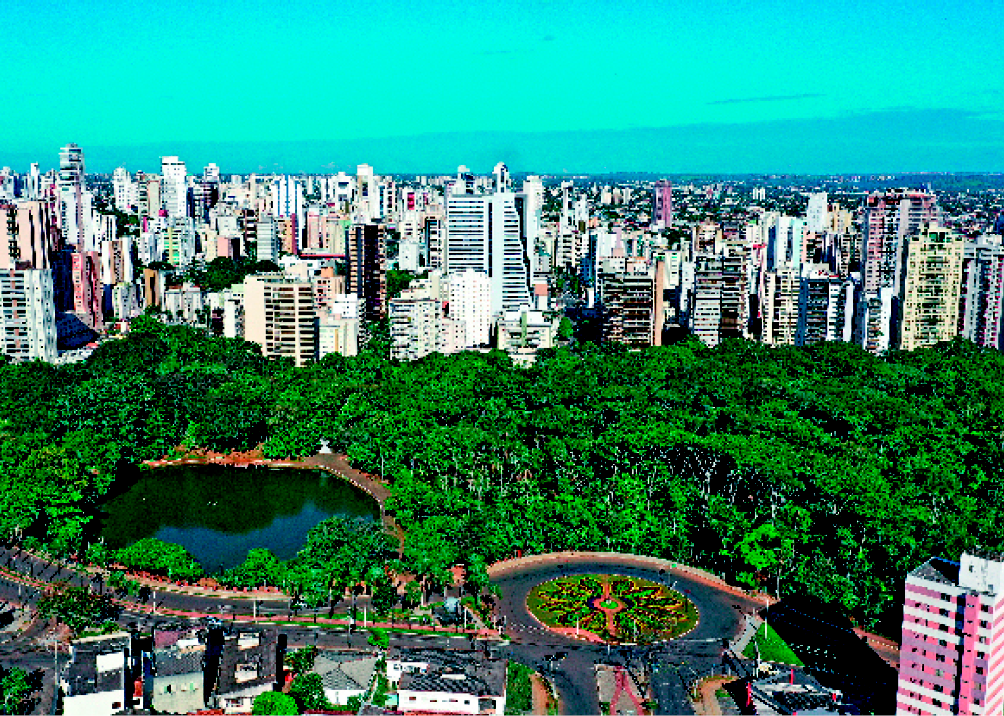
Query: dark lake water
[{"x": 218, "y": 513}]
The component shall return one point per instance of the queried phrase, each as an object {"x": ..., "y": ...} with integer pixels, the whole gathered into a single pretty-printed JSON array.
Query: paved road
[{"x": 674, "y": 664}]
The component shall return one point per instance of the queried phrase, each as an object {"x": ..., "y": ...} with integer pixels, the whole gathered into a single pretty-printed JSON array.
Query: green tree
[
  {"x": 302, "y": 660},
  {"x": 274, "y": 703},
  {"x": 76, "y": 607},
  {"x": 163, "y": 557},
  {"x": 308, "y": 692},
  {"x": 15, "y": 691}
]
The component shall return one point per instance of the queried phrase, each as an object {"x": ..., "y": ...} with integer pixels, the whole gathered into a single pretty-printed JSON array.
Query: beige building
[
  {"x": 780, "y": 307},
  {"x": 279, "y": 315},
  {"x": 931, "y": 287}
]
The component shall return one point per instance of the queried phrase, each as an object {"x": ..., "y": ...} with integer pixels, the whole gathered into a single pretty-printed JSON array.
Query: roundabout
[{"x": 611, "y": 609}]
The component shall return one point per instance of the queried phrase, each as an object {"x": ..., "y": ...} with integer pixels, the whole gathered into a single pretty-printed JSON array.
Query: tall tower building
[
  {"x": 888, "y": 219},
  {"x": 471, "y": 303},
  {"x": 367, "y": 268},
  {"x": 931, "y": 287},
  {"x": 174, "y": 189},
  {"x": 27, "y": 315},
  {"x": 267, "y": 239},
  {"x": 981, "y": 309},
  {"x": 71, "y": 194},
  {"x": 780, "y": 306},
  {"x": 662, "y": 204},
  {"x": 488, "y": 234},
  {"x": 953, "y": 638},
  {"x": 279, "y": 315},
  {"x": 816, "y": 218},
  {"x": 627, "y": 295},
  {"x": 825, "y": 307}
]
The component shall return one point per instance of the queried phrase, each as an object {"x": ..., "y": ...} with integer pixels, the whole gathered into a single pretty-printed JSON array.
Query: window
[
  {"x": 985, "y": 624},
  {"x": 984, "y": 607},
  {"x": 979, "y": 669}
]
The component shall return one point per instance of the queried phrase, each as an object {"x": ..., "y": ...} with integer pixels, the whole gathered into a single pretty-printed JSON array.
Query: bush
[
  {"x": 274, "y": 702},
  {"x": 156, "y": 556}
]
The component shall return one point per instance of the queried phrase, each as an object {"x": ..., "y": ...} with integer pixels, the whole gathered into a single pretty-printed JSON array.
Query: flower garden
[{"x": 612, "y": 608}]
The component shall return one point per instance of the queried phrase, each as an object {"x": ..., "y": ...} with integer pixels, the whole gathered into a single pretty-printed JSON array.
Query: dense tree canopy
[{"x": 824, "y": 470}]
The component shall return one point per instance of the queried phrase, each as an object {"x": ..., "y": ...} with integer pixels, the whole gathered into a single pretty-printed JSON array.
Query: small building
[
  {"x": 345, "y": 675},
  {"x": 447, "y": 681},
  {"x": 94, "y": 681}
]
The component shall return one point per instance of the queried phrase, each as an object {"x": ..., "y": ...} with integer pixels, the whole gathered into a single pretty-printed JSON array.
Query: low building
[
  {"x": 447, "y": 681},
  {"x": 94, "y": 681},
  {"x": 345, "y": 675}
]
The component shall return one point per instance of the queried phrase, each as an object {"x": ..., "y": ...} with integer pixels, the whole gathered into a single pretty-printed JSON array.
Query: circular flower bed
[{"x": 612, "y": 608}]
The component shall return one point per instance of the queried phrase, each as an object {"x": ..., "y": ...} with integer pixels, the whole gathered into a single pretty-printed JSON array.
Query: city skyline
[{"x": 569, "y": 86}]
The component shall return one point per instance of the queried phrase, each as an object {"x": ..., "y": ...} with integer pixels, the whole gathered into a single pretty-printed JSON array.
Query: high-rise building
[
  {"x": 627, "y": 299},
  {"x": 71, "y": 191},
  {"x": 267, "y": 239},
  {"x": 981, "y": 305},
  {"x": 487, "y": 234},
  {"x": 888, "y": 219},
  {"x": 27, "y": 314},
  {"x": 174, "y": 189},
  {"x": 825, "y": 307},
  {"x": 780, "y": 306},
  {"x": 28, "y": 231},
  {"x": 367, "y": 268},
  {"x": 931, "y": 287},
  {"x": 662, "y": 204},
  {"x": 124, "y": 190},
  {"x": 706, "y": 302},
  {"x": 279, "y": 315},
  {"x": 816, "y": 217},
  {"x": 953, "y": 638},
  {"x": 471, "y": 303}
]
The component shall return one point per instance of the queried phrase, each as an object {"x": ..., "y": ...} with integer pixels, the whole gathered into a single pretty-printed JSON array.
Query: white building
[
  {"x": 174, "y": 187},
  {"x": 28, "y": 315},
  {"x": 484, "y": 233},
  {"x": 470, "y": 302}
]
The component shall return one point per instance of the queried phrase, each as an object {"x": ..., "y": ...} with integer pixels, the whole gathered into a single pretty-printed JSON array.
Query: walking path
[{"x": 739, "y": 645}]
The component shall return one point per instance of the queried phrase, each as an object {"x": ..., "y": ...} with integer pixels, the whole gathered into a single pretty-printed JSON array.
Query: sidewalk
[{"x": 752, "y": 623}]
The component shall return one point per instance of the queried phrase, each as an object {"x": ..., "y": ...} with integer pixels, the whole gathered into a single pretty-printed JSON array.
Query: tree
[
  {"x": 308, "y": 692},
  {"x": 77, "y": 607},
  {"x": 565, "y": 328},
  {"x": 274, "y": 703},
  {"x": 385, "y": 595},
  {"x": 158, "y": 556},
  {"x": 15, "y": 691},
  {"x": 302, "y": 660}
]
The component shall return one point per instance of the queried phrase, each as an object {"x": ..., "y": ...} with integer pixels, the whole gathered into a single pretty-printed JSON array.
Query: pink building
[
  {"x": 952, "y": 658},
  {"x": 662, "y": 204}
]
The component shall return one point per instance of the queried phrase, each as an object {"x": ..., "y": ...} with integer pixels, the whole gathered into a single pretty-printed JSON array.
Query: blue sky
[{"x": 664, "y": 86}]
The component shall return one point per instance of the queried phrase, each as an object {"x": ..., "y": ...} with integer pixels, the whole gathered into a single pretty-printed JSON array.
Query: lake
[{"x": 218, "y": 512}]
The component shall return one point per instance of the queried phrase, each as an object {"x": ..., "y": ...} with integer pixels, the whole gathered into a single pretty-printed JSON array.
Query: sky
[{"x": 545, "y": 85}]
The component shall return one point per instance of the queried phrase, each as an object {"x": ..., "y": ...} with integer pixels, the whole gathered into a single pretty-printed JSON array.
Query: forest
[{"x": 820, "y": 470}]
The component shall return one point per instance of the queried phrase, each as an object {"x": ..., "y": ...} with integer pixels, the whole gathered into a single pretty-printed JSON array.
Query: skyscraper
[
  {"x": 931, "y": 287},
  {"x": 71, "y": 190},
  {"x": 174, "y": 190},
  {"x": 367, "y": 268},
  {"x": 27, "y": 315},
  {"x": 981, "y": 309},
  {"x": 888, "y": 219},
  {"x": 662, "y": 204},
  {"x": 953, "y": 640},
  {"x": 280, "y": 316},
  {"x": 487, "y": 234}
]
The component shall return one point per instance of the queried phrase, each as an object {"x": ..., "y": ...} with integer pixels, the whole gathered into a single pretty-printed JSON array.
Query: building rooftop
[
  {"x": 938, "y": 570},
  {"x": 453, "y": 671}
]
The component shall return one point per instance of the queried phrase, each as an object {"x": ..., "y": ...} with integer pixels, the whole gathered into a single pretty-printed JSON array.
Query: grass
[
  {"x": 519, "y": 693},
  {"x": 772, "y": 647}
]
